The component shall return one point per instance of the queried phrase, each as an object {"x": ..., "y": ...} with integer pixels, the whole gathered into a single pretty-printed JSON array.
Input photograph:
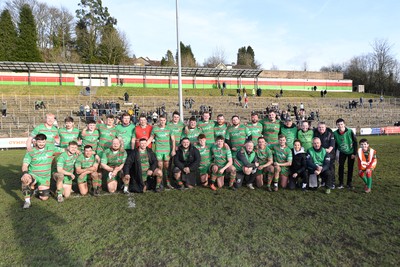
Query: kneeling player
[
  {"x": 112, "y": 161},
  {"x": 282, "y": 162},
  {"x": 140, "y": 165},
  {"x": 187, "y": 162},
  {"x": 221, "y": 164},
  {"x": 366, "y": 163},
  {"x": 205, "y": 161},
  {"x": 36, "y": 169},
  {"x": 86, "y": 165},
  {"x": 265, "y": 159},
  {"x": 65, "y": 171},
  {"x": 246, "y": 164}
]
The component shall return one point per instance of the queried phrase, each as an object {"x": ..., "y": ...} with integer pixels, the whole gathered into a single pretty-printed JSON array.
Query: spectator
[
  {"x": 370, "y": 102},
  {"x": 4, "y": 109},
  {"x": 126, "y": 97}
]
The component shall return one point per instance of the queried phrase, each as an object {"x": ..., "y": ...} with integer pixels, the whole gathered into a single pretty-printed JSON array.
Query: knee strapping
[{"x": 45, "y": 193}]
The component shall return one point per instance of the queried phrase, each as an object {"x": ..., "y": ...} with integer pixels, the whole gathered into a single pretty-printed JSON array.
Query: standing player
[
  {"x": 220, "y": 126},
  {"x": 143, "y": 130},
  {"x": 205, "y": 156},
  {"x": 221, "y": 164},
  {"x": 191, "y": 131},
  {"x": 207, "y": 127},
  {"x": 266, "y": 161},
  {"x": 107, "y": 133},
  {"x": 305, "y": 135},
  {"x": 346, "y": 143},
  {"x": 176, "y": 127},
  {"x": 125, "y": 131},
  {"x": 90, "y": 135},
  {"x": 271, "y": 128},
  {"x": 163, "y": 138},
  {"x": 36, "y": 169},
  {"x": 366, "y": 163},
  {"x": 141, "y": 165},
  {"x": 47, "y": 128},
  {"x": 236, "y": 135},
  {"x": 65, "y": 171},
  {"x": 86, "y": 165},
  {"x": 68, "y": 133},
  {"x": 112, "y": 161},
  {"x": 255, "y": 128},
  {"x": 282, "y": 162},
  {"x": 289, "y": 129}
]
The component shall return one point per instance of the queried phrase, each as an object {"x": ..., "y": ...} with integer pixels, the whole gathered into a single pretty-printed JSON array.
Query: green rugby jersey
[
  {"x": 113, "y": 158},
  {"x": 67, "y": 162},
  {"x": 256, "y": 131},
  {"x": 39, "y": 161},
  {"x": 220, "y": 156},
  {"x": 144, "y": 163},
  {"x": 290, "y": 134},
  {"x": 67, "y": 136},
  {"x": 176, "y": 129},
  {"x": 263, "y": 155},
  {"x": 205, "y": 155},
  {"x": 237, "y": 135},
  {"x": 192, "y": 134},
  {"x": 162, "y": 137},
  {"x": 305, "y": 139},
  {"x": 84, "y": 163},
  {"x": 126, "y": 133},
  {"x": 282, "y": 155},
  {"x": 220, "y": 130},
  {"x": 208, "y": 130},
  {"x": 50, "y": 133},
  {"x": 107, "y": 134},
  {"x": 89, "y": 138},
  {"x": 271, "y": 131}
]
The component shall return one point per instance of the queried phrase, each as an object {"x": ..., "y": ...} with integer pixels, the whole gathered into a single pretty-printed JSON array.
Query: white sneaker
[
  {"x": 60, "y": 198},
  {"x": 250, "y": 186},
  {"x": 27, "y": 205}
]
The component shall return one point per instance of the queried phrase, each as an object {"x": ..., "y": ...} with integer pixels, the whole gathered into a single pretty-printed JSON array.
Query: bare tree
[{"x": 218, "y": 56}]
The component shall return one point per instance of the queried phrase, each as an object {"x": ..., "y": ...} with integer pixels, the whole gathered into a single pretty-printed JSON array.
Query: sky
[{"x": 286, "y": 34}]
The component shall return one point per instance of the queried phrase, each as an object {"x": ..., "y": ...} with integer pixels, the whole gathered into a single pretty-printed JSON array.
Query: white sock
[
  {"x": 125, "y": 188},
  {"x": 28, "y": 200}
]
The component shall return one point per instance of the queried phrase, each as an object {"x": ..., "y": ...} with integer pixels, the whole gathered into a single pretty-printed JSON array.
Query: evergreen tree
[
  {"x": 168, "y": 60},
  {"x": 187, "y": 57},
  {"x": 246, "y": 57},
  {"x": 27, "y": 49},
  {"x": 8, "y": 37}
]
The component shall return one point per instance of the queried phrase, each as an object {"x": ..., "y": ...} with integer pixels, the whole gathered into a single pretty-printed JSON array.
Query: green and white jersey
[
  {"x": 282, "y": 155},
  {"x": 50, "y": 133},
  {"x": 305, "y": 139},
  {"x": 192, "y": 134},
  {"x": 271, "y": 131},
  {"x": 39, "y": 161},
  {"x": 107, "y": 134},
  {"x": 256, "y": 131},
  {"x": 208, "y": 130},
  {"x": 263, "y": 155},
  {"x": 90, "y": 138},
  {"x": 113, "y": 158},
  {"x": 66, "y": 161},
  {"x": 220, "y": 156},
  {"x": 67, "y": 136},
  {"x": 126, "y": 133},
  {"x": 237, "y": 135},
  {"x": 84, "y": 163},
  {"x": 162, "y": 137},
  {"x": 250, "y": 158},
  {"x": 220, "y": 130},
  {"x": 176, "y": 129},
  {"x": 317, "y": 157}
]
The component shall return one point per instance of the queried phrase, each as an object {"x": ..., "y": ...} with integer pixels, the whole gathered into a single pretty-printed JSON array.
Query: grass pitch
[{"x": 202, "y": 228}]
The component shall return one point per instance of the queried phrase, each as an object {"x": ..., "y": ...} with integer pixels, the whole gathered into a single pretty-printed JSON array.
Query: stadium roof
[{"x": 124, "y": 69}]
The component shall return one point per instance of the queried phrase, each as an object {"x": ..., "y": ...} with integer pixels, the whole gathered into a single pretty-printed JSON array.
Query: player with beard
[
  {"x": 207, "y": 127},
  {"x": 220, "y": 126},
  {"x": 266, "y": 161},
  {"x": 86, "y": 166},
  {"x": 205, "y": 156},
  {"x": 68, "y": 133},
  {"x": 282, "y": 161},
  {"x": 191, "y": 131},
  {"x": 236, "y": 135},
  {"x": 271, "y": 128},
  {"x": 255, "y": 128},
  {"x": 125, "y": 131}
]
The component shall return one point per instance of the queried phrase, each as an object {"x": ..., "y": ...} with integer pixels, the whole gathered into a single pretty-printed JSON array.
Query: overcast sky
[{"x": 284, "y": 33}]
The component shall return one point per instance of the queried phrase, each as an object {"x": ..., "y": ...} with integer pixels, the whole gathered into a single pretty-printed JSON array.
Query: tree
[
  {"x": 8, "y": 37},
  {"x": 332, "y": 68},
  {"x": 113, "y": 47},
  {"x": 27, "y": 49},
  {"x": 168, "y": 60},
  {"x": 217, "y": 58},
  {"x": 246, "y": 57},
  {"x": 187, "y": 57},
  {"x": 92, "y": 20}
]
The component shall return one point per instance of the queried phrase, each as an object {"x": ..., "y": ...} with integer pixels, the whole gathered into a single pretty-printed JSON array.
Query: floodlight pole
[{"x": 179, "y": 63}]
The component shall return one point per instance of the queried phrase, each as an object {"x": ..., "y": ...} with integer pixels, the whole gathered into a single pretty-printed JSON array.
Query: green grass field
[{"x": 201, "y": 228}]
